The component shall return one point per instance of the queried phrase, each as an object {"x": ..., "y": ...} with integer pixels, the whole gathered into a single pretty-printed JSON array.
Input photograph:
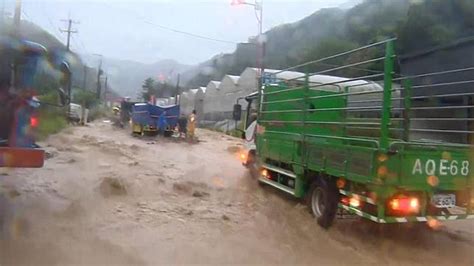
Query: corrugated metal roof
[
  {"x": 234, "y": 79},
  {"x": 216, "y": 83}
]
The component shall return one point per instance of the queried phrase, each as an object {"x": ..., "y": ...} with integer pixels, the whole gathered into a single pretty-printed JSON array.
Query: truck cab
[
  {"x": 248, "y": 155},
  {"x": 19, "y": 120}
]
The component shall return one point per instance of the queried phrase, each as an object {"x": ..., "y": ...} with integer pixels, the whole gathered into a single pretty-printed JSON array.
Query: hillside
[
  {"x": 32, "y": 32},
  {"x": 417, "y": 24},
  {"x": 126, "y": 77}
]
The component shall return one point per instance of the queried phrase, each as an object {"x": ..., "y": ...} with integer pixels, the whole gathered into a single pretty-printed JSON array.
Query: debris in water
[
  {"x": 200, "y": 194},
  {"x": 225, "y": 217},
  {"x": 112, "y": 186},
  {"x": 182, "y": 187},
  {"x": 50, "y": 154},
  {"x": 133, "y": 164},
  {"x": 189, "y": 212},
  {"x": 68, "y": 161}
]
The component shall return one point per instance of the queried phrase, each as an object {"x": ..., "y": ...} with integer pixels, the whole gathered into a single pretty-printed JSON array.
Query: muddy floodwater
[{"x": 105, "y": 197}]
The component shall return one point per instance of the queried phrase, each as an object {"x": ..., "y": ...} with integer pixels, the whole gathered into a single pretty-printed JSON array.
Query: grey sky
[{"x": 122, "y": 29}]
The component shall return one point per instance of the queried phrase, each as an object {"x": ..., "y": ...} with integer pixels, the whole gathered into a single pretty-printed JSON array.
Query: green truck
[{"x": 348, "y": 144}]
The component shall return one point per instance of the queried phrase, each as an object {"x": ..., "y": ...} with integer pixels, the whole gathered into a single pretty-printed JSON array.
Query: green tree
[
  {"x": 85, "y": 98},
  {"x": 44, "y": 83},
  {"x": 148, "y": 89},
  {"x": 165, "y": 90},
  {"x": 325, "y": 48}
]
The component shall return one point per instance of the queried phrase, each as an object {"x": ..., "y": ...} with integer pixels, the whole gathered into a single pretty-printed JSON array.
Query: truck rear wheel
[{"x": 323, "y": 198}]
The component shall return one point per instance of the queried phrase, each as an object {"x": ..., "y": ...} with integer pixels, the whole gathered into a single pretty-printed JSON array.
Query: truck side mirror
[
  {"x": 63, "y": 99},
  {"x": 237, "y": 113},
  {"x": 65, "y": 82}
]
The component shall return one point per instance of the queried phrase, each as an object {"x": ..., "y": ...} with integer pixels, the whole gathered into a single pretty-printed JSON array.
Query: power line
[
  {"x": 189, "y": 33},
  {"x": 53, "y": 27},
  {"x": 79, "y": 44},
  {"x": 176, "y": 30}
]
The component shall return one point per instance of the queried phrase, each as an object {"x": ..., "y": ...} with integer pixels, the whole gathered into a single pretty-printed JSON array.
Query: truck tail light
[
  {"x": 265, "y": 173},
  {"x": 354, "y": 202},
  {"x": 243, "y": 157},
  {"x": 34, "y": 121},
  {"x": 404, "y": 205}
]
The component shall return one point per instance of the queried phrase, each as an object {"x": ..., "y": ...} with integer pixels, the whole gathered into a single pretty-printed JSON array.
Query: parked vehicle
[
  {"x": 346, "y": 144},
  {"x": 75, "y": 113}
]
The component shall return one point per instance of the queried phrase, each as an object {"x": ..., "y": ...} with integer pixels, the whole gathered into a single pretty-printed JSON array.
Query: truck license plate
[{"x": 444, "y": 200}]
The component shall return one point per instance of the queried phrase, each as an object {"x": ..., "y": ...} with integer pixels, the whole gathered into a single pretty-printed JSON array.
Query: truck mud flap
[{"x": 21, "y": 157}]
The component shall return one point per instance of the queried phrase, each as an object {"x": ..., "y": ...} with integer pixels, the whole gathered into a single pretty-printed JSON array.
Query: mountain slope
[
  {"x": 126, "y": 77},
  {"x": 417, "y": 24}
]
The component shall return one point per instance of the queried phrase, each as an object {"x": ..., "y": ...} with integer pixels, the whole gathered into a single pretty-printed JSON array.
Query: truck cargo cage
[{"x": 382, "y": 106}]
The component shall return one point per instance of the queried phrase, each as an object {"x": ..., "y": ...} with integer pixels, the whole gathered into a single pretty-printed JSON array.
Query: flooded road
[{"x": 105, "y": 197}]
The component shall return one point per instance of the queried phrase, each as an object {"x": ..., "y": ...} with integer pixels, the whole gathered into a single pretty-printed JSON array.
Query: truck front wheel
[{"x": 323, "y": 198}]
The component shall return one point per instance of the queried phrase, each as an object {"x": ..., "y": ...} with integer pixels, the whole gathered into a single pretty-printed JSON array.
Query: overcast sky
[{"x": 129, "y": 29}]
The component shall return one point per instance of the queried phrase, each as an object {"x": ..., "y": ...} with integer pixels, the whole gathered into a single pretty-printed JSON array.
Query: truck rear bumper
[
  {"x": 408, "y": 219},
  {"x": 21, "y": 157}
]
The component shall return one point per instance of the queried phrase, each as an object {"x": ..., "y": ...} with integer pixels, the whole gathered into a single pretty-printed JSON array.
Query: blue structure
[{"x": 146, "y": 117}]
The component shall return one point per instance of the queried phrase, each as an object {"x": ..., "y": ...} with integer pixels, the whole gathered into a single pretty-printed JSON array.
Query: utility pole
[
  {"x": 84, "y": 78},
  {"x": 177, "y": 91},
  {"x": 17, "y": 16},
  {"x": 260, "y": 40},
  {"x": 105, "y": 89},
  {"x": 69, "y": 85},
  {"x": 69, "y": 30},
  {"x": 99, "y": 73}
]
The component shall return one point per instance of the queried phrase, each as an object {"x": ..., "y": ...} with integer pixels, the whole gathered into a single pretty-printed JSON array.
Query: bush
[{"x": 50, "y": 122}]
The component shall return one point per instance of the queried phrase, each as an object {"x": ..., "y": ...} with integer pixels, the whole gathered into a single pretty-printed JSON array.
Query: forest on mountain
[{"x": 418, "y": 25}]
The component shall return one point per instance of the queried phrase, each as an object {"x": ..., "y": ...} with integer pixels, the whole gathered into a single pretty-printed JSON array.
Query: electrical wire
[
  {"x": 189, "y": 33},
  {"x": 55, "y": 29},
  {"x": 175, "y": 30}
]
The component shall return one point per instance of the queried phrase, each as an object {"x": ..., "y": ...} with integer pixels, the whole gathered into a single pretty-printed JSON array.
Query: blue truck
[
  {"x": 19, "y": 60},
  {"x": 146, "y": 118}
]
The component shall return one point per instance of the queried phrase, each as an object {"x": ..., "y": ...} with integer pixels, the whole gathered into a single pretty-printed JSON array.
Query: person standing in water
[
  {"x": 162, "y": 123},
  {"x": 191, "y": 125}
]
